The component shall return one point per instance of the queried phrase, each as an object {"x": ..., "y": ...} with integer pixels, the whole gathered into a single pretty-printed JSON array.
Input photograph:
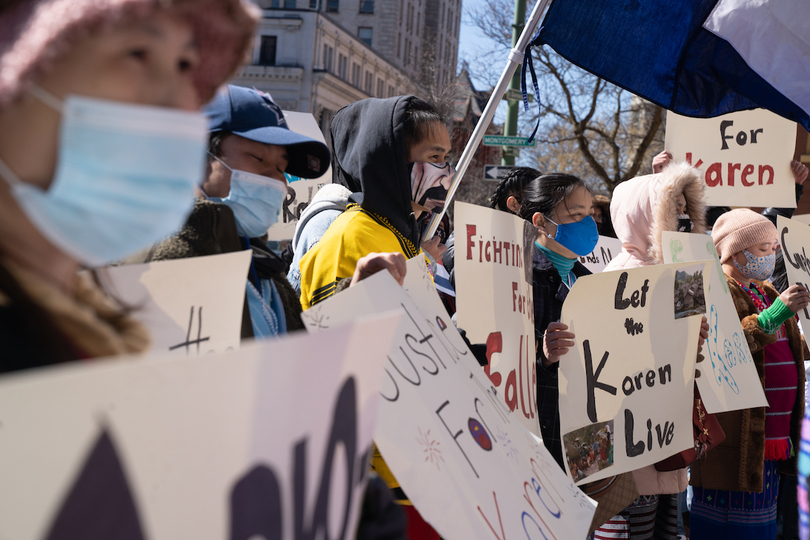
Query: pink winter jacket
[{"x": 642, "y": 209}]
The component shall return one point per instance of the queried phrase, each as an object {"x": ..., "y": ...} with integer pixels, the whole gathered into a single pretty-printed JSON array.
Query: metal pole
[
  {"x": 515, "y": 60},
  {"x": 512, "y": 107}
]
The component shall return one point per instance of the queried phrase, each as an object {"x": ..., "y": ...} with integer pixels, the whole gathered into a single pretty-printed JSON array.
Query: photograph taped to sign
[
  {"x": 209, "y": 448},
  {"x": 729, "y": 380},
  {"x": 467, "y": 465},
  {"x": 185, "y": 317},
  {"x": 744, "y": 156},
  {"x": 493, "y": 269},
  {"x": 632, "y": 364}
]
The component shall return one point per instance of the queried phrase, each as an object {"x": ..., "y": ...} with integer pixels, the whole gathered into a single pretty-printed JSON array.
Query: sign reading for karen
[
  {"x": 744, "y": 156},
  {"x": 626, "y": 385}
]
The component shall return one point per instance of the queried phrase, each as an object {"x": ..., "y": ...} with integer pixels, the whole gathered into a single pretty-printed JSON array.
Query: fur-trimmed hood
[{"x": 644, "y": 207}]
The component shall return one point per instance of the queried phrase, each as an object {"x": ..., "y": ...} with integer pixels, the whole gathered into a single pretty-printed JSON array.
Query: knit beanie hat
[
  {"x": 739, "y": 229},
  {"x": 34, "y": 34}
]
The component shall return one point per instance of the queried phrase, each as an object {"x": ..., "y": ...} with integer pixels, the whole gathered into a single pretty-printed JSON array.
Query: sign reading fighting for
[
  {"x": 626, "y": 385},
  {"x": 745, "y": 156},
  {"x": 729, "y": 380},
  {"x": 468, "y": 466},
  {"x": 186, "y": 317},
  {"x": 794, "y": 237},
  {"x": 300, "y": 191},
  {"x": 246, "y": 444},
  {"x": 495, "y": 302},
  {"x": 606, "y": 248}
]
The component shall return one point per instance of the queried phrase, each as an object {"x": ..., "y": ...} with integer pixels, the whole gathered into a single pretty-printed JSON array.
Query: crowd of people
[{"x": 120, "y": 144}]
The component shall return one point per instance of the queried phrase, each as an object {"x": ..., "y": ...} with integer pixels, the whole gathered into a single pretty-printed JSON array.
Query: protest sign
[
  {"x": 467, "y": 465},
  {"x": 794, "y": 237},
  {"x": 300, "y": 191},
  {"x": 185, "y": 317},
  {"x": 744, "y": 156},
  {"x": 626, "y": 385},
  {"x": 245, "y": 444},
  {"x": 606, "y": 248},
  {"x": 495, "y": 301},
  {"x": 802, "y": 218},
  {"x": 729, "y": 380}
]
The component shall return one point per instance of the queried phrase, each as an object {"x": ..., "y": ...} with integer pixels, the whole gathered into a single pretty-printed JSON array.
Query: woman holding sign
[
  {"x": 101, "y": 97},
  {"x": 736, "y": 485}
]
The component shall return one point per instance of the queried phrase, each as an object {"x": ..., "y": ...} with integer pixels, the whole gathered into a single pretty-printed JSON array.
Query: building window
[
  {"x": 342, "y": 61},
  {"x": 364, "y": 35},
  {"x": 399, "y": 42},
  {"x": 366, "y": 6},
  {"x": 289, "y": 4},
  {"x": 380, "y": 88},
  {"x": 390, "y": 91},
  {"x": 369, "y": 86},
  {"x": 267, "y": 51},
  {"x": 313, "y": 4},
  {"x": 332, "y": 5},
  {"x": 356, "y": 75}
]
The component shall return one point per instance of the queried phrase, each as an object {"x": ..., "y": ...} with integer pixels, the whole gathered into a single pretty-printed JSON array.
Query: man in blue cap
[{"x": 250, "y": 149}]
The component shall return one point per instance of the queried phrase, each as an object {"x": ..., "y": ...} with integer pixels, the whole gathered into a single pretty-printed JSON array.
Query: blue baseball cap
[{"x": 254, "y": 115}]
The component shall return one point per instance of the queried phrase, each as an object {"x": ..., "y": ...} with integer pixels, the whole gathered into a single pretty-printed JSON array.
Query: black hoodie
[{"x": 368, "y": 139}]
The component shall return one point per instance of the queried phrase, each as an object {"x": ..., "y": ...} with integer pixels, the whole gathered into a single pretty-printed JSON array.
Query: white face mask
[
  {"x": 255, "y": 200},
  {"x": 125, "y": 177}
]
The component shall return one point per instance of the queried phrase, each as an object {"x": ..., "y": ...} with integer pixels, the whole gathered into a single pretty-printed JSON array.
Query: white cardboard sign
[
  {"x": 244, "y": 444},
  {"x": 606, "y": 248},
  {"x": 495, "y": 301},
  {"x": 729, "y": 380},
  {"x": 744, "y": 156},
  {"x": 469, "y": 467},
  {"x": 626, "y": 385},
  {"x": 300, "y": 191},
  {"x": 190, "y": 306},
  {"x": 794, "y": 237}
]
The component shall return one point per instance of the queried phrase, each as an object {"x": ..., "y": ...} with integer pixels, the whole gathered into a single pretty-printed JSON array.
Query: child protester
[{"x": 736, "y": 485}]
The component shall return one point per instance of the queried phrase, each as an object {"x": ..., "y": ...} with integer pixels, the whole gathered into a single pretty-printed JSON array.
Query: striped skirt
[
  {"x": 736, "y": 515},
  {"x": 648, "y": 517}
]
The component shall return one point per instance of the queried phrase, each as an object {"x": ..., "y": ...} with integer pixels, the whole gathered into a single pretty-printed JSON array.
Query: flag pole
[{"x": 515, "y": 59}]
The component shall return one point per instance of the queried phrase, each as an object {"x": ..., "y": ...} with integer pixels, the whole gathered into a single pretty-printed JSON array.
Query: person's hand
[
  {"x": 556, "y": 342},
  {"x": 796, "y": 298},
  {"x": 374, "y": 262},
  {"x": 799, "y": 171},
  {"x": 434, "y": 248},
  {"x": 660, "y": 161},
  {"x": 704, "y": 333}
]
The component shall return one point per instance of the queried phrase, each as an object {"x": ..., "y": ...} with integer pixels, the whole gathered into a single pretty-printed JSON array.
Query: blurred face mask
[
  {"x": 430, "y": 183},
  {"x": 759, "y": 268},
  {"x": 256, "y": 201},
  {"x": 125, "y": 177}
]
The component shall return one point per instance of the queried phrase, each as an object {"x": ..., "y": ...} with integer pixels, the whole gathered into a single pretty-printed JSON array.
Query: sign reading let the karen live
[{"x": 744, "y": 156}]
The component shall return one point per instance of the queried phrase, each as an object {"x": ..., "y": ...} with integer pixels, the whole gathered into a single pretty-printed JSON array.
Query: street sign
[
  {"x": 513, "y": 94},
  {"x": 501, "y": 140},
  {"x": 496, "y": 172}
]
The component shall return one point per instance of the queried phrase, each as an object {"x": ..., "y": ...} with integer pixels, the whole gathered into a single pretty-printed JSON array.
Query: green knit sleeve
[{"x": 772, "y": 318}]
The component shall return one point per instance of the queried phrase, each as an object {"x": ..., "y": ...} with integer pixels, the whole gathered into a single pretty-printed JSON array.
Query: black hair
[
  {"x": 215, "y": 141},
  {"x": 511, "y": 185},
  {"x": 545, "y": 192},
  {"x": 420, "y": 120}
]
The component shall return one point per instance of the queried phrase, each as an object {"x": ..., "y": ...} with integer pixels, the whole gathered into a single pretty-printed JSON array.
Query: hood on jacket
[
  {"x": 644, "y": 207},
  {"x": 368, "y": 139}
]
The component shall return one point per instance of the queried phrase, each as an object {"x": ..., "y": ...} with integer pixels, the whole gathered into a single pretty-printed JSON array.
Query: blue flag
[{"x": 698, "y": 58}]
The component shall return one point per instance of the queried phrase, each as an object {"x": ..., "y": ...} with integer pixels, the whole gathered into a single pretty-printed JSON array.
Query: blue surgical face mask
[
  {"x": 580, "y": 236},
  {"x": 255, "y": 200},
  {"x": 759, "y": 268},
  {"x": 125, "y": 177}
]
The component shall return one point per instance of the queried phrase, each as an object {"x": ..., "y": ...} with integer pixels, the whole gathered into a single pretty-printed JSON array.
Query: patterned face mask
[{"x": 759, "y": 268}]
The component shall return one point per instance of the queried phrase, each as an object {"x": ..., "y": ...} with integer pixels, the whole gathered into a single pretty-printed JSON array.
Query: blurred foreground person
[{"x": 101, "y": 146}]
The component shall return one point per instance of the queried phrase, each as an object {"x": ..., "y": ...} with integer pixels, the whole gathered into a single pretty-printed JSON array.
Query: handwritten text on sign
[
  {"x": 729, "y": 379},
  {"x": 466, "y": 463},
  {"x": 745, "y": 156},
  {"x": 602, "y": 254},
  {"x": 495, "y": 301},
  {"x": 186, "y": 317},
  {"x": 626, "y": 386},
  {"x": 794, "y": 237},
  {"x": 209, "y": 448}
]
